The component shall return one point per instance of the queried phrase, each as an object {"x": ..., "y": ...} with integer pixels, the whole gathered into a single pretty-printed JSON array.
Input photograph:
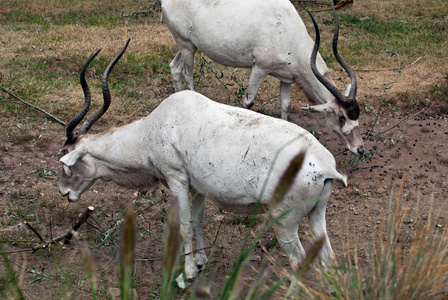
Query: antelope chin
[
  {"x": 71, "y": 200},
  {"x": 357, "y": 152},
  {"x": 70, "y": 196}
]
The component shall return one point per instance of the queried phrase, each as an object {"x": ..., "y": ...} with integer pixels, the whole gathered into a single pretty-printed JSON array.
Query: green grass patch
[
  {"x": 103, "y": 14},
  {"x": 151, "y": 64},
  {"x": 410, "y": 32}
]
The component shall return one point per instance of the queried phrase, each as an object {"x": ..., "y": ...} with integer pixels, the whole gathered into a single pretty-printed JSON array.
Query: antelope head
[
  {"x": 341, "y": 115},
  {"x": 79, "y": 169}
]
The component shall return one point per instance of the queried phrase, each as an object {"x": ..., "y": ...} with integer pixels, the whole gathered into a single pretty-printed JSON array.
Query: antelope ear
[
  {"x": 347, "y": 91},
  {"x": 72, "y": 157},
  {"x": 319, "y": 108},
  {"x": 67, "y": 170}
]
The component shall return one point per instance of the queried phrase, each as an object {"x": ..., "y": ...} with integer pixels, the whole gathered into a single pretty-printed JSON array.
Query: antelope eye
[{"x": 342, "y": 119}]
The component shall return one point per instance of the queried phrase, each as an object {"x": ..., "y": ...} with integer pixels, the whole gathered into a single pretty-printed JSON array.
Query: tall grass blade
[
  {"x": 310, "y": 257},
  {"x": 202, "y": 291},
  {"x": 172, "y": 253},
  {"x": 239, "y": 281},
  {"x": 172, "y": 243},
  {"x": 231, "y": 289},
  {"x": 8, "y": 281},
  {"x": 406, "y": 263},
  {"x": 127, "y": 258},
  {"x": 287, "y": 179},
  {"x": 90, "y": 268},
  {"x": 261, "y": 281}
]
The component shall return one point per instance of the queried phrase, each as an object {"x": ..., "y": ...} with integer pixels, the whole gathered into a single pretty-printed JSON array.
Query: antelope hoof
[
  {"x": 247, "y": 105},
  {"x": 183, "y": 282},
  {"x": 200, "y": 260}
]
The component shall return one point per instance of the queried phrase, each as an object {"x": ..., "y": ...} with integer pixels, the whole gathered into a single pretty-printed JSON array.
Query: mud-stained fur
[{"x": 185, "y": 144}]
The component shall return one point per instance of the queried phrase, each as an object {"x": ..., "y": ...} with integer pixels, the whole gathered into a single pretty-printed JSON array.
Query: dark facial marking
[{"x": 352, "y": 109}]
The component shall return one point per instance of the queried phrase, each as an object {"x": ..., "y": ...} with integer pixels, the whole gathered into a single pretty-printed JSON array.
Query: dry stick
[
  {"x": 108, "y": 264},
  {"x": 216, "y": 76},
  {"x": 405, "y": 120},
  {"x": 34, "y": 230},
  {"x": 363, "y": 168},
  {"x": 390, "y": 128},
  {"x": 315, "y": 2},
  {"x": 15, "y": 251},
  {"x": 18, "y": 241},
  {"x": 326, "y": 3},
  {"x": 51, "y": 227},
  {"x": 390, "y": 69},
  {"x": 378, "y": 70},
  {"x": 69, "y": 234},
  {"x": 33, "y": 106},
  {"x": 209, "y": 247}
]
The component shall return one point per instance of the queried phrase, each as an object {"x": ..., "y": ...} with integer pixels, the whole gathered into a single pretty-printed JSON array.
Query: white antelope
[
  {"x": 195, "y": 145},
  {"x": 270, "y": 37}
]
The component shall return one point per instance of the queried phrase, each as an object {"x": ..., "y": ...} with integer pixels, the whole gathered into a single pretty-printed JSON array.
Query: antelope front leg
[
  {"x": 255, "y": 80},
  {"x": 180, "y": 191},
  {"x": 198, "y": 225},
  {"x": 285, "y": 98},
  {"x": 189, "y": 64},
  {"x": 177, "y": 66}
]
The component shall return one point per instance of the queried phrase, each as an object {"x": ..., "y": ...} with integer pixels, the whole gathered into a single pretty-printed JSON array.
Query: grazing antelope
[
  {"x": 270, "y": 37},
  {"x": 233, "y": 156}
]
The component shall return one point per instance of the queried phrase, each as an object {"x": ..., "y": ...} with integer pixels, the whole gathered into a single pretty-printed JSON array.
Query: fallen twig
[
  {"x": 34, "y": 230},
  {"x": 315, "y": 2},
  {"x": 69, "y": 234},
  {"x": 362, "y": 168},
  {"x": 388, "y": 69},
  {"x": 209, "y": 247},
  {"x": 390, "y": 128},
  {"x": 18, "y": 241},
  {"x": 33, "y": 106},
  {"x": 336, "y": 5},
  {"x": 405, "y": 120}
]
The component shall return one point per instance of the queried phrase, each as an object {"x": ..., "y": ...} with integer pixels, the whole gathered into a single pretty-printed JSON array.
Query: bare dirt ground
[{"x": 405, "y": 144}]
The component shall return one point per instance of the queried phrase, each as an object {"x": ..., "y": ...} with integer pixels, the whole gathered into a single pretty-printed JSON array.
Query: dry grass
[
  {"x": 415, "y": 31},
  {"x": 420, "y": 71},
  {"x": 399, "y": 266}
]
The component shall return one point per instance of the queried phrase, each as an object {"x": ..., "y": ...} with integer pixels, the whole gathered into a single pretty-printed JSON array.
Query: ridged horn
[
  {"x": 106, "y": 94},
  {"x": 342, "y": 62},
  {"x": 334, "y": 90},
  {"x": 85, "y": 109}
]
